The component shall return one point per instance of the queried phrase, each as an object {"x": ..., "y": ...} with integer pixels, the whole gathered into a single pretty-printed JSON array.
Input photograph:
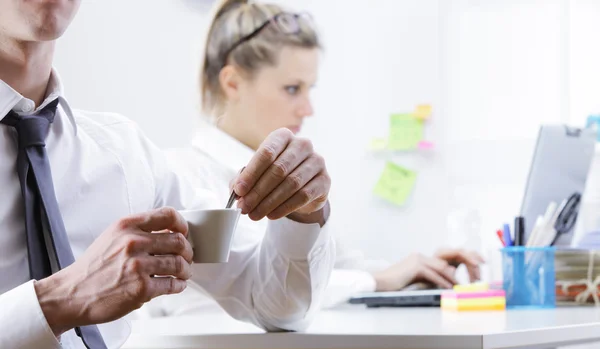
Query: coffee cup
[{"x": 211, "y": 233}]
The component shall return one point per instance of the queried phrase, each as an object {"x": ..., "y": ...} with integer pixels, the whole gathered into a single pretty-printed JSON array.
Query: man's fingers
[
  {"x": 314, "y": 193},
  {"x": 164, "y": 231},
  {"x": 431, "y": 275},
  {"x": 170, "y": 265},
  {"x": 171, "y": 244},
  {"x": 285, "y": 189},
  {"x": 158, "y": 286},
  {"x": 277, "y": 173},
  {"x": 165, "y": 218},
  {"x": 266, "y": 154},
  {"x": 233, "y": 181}
]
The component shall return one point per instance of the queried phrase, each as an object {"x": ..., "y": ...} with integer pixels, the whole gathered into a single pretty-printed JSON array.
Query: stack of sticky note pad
[{"x": 470, "y": 297}]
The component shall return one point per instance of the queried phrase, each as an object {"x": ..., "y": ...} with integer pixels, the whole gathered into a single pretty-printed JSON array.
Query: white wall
[
  {"x": 376, "y": 62},
  {"x": 139, "y": 58},
  {"x": 584, "y": 60},
  {"x": 494, "y": 71}
]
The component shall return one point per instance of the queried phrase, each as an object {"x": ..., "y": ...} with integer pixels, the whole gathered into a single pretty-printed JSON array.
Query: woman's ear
[{"x": 230, "y": 79}]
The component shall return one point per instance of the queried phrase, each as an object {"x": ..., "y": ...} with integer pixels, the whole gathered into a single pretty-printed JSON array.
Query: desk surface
[{"x": 400, "y": 328}]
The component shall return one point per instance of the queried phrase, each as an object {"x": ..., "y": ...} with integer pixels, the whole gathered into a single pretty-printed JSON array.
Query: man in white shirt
[{"x": 90, "y": 187}]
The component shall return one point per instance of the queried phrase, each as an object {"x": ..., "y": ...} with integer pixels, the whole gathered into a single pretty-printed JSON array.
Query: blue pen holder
[{"x": 528, "y": 274}]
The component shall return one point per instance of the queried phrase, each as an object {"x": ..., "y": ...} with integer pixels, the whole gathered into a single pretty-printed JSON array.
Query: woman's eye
[{"x": 292, "y": 90}]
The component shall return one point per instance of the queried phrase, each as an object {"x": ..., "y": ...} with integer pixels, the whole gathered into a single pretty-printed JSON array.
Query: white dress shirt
[
  {"x": 223, "y": 157},
  {"x": 105, "y": 169}
]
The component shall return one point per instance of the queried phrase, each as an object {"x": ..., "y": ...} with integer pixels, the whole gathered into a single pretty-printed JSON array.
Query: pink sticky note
[
  {"x": 468, "y": 295},
  {"x": 425, "y": 145}
]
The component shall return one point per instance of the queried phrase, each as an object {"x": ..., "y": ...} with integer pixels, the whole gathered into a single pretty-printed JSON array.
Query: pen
[
  {"x": 534, "y": 237},
  {"x": 519, "y": 231},
  {"x": 549, "y": 232},
  {"x": 539, "y": 230},
  {"x": 507, "y": 239},
  {"x": 500, "y": 234}
]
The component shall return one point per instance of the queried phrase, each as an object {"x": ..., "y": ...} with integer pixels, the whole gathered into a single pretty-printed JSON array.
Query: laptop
[{"x": 415, "y": 298}]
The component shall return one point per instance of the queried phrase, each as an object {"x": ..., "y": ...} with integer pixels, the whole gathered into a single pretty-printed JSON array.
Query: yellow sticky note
[
  {"x": 378, "y": 144},
  {"x": 406, "y": 131},
  {"x": 423, "y": 111},
  {"x": 395, "y": 184},
  {"x": 474, "y": 287}
]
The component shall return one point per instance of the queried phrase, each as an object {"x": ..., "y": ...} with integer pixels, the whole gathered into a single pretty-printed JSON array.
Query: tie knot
[{"x": 32, "y": 129}]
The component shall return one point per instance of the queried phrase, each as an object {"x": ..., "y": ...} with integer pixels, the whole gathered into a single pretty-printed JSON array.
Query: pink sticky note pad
[{"x": 478, "y": 294}]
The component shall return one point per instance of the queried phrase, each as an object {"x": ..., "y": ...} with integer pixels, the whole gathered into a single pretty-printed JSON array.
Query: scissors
[{"x": 567, "y": 217}]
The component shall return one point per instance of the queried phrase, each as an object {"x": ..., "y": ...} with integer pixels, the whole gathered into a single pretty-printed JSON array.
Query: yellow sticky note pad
[
  {"x": 378, "y": 144},
  {"x": 395, "y": 184},
  {"x": 482, "y": 304},
  {"x": 474, "y": 287},
  {"x": 423, "y": 111},
  {"x": 406, "y": 131}
]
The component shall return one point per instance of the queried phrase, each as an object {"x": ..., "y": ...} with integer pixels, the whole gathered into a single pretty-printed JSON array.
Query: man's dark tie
[{"x": 41, "y": 206}]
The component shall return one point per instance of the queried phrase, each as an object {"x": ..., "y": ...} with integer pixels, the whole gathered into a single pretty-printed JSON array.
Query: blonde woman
[{"x": 259, "y": 66}]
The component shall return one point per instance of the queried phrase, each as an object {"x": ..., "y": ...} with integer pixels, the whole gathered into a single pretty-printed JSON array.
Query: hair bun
[{"x": 225, "y": 6}]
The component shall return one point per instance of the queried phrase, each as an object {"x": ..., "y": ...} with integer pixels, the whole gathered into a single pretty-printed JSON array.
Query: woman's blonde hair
[{"x": 232, "y": 20}]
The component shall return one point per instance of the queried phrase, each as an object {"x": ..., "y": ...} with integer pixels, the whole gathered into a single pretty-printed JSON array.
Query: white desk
[{"x": 401, "y": 328}]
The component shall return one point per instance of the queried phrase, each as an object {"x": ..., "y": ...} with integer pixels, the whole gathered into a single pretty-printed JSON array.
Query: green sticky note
[
  {"x": 405, "y": 132},
  {"x": 395, "y": 184}
]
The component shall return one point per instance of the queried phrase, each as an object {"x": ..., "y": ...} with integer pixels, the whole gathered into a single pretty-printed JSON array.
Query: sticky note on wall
[
  {"x": 406, "y": 131},
  {"x": 378, "y": 144},
  {"x": 423, "y": 111},
  {"x": 395, "y": 184}
]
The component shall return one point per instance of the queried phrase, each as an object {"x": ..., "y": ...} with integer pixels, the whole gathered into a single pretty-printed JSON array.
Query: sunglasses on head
[{"x": 284, "y": 22}]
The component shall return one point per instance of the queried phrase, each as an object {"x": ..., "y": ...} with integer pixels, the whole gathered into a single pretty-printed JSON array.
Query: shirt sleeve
[
  {"x": 279, "y": 283},
  {"x": 22, "y": 321},
  {"x": 345, "y": 283},
  {"x": 276, "y": 282}
]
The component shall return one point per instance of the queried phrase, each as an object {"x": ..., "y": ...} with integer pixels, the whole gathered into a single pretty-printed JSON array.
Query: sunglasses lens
[{"x": 287, "y": 23}]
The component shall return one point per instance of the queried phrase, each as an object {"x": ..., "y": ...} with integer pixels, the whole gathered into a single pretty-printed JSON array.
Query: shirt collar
[
  {"x": 13, "y": 100},
  {"x": 222, "y": 147}
]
